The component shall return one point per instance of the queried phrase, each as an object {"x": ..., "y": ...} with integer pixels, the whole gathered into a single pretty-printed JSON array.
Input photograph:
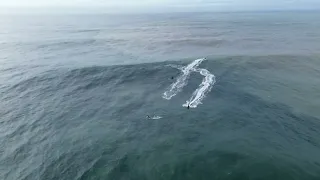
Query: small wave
[
  {"x": 176, "y": 66},
  {"x": 67, "y": 44},
  {"x": 177, "y": 86},
  {"x": 208, "y": 81}
]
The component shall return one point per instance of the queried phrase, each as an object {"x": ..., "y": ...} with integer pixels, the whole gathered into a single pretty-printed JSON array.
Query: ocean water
[{"x": 76, "y": 90}]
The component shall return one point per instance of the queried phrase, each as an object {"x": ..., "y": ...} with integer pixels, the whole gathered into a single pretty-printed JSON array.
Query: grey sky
[{"x": 173, "y": 4}]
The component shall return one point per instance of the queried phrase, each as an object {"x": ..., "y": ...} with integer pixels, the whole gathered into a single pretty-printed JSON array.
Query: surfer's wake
[
  {"x": 205, "y": 87},
  {"x": 177, "y": 86},
  {"x": 199, "y": 94}
]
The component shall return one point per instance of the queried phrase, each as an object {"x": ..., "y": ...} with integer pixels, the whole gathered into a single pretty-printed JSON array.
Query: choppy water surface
[{"x": 86, "y": 97}]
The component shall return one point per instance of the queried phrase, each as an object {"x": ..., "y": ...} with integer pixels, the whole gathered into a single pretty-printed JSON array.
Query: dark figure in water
[
  {"x": 148, "y": 117},
  {"x": 172, "y": 77},
  {"x": 188, "y": 106}
]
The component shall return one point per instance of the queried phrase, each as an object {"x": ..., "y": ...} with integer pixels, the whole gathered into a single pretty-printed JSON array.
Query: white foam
[
  {"x": 156, "y": 117},
  {"x": 177, "y": 86},
  {"x": 208, "y": 81}
]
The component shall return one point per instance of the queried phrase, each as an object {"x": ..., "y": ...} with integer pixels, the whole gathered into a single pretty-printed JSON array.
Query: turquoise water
[{"x": 75, "y": 91}]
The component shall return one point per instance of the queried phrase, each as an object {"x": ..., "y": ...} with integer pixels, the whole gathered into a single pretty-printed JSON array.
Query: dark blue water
[{"x": 75, "y": 91}]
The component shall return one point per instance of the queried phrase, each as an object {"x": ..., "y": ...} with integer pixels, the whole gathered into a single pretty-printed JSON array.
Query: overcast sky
[{"x": 171, "y": 4}]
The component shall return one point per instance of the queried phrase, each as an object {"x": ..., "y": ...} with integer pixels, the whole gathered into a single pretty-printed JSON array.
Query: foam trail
[
  {"x": 177, "y": 86},
  {"x": 208, "y": 81}
]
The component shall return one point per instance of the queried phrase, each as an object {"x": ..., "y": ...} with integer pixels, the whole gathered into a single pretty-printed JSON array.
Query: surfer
[
  {"x": 148, "y": 117},
  {"x": 172, "y": 77},
  {"x": 188, "y": 106}
]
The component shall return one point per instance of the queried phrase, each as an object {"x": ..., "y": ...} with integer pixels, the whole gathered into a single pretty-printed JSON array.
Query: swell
[{"x": 85, "y": 78}]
